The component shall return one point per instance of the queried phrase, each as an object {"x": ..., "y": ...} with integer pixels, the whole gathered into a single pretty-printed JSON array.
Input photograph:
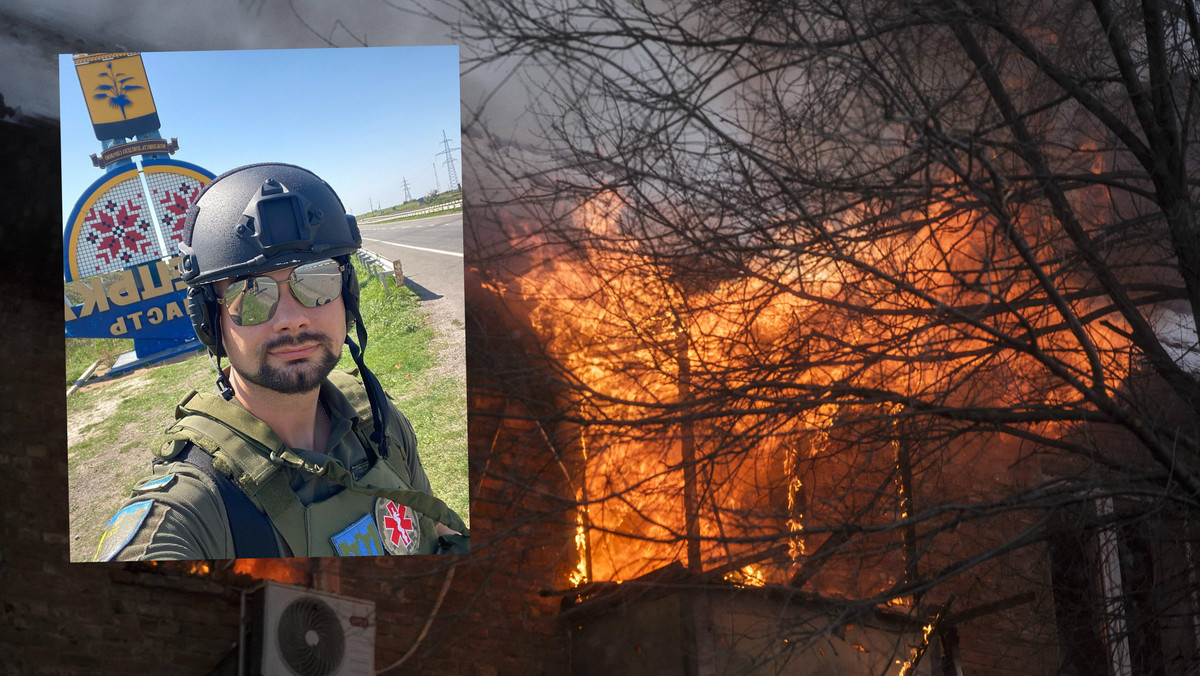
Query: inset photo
[{"x": 263, "y": 304}]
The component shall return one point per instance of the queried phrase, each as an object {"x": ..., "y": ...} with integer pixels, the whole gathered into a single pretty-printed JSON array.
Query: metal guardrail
[
  {"x": 419, "y": 212},
  {"x": 381, "y": 268},
  {"x": 434, "y": 209}
]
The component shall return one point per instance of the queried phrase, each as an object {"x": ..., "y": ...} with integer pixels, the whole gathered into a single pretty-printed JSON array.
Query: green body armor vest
[{"x": 377, "y": 514}]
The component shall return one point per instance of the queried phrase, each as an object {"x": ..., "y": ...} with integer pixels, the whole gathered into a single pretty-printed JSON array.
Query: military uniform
[{"x": 343, "y": 502}]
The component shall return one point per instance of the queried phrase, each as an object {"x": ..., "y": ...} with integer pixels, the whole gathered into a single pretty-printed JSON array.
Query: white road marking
[{"x": 418, "y": 248}]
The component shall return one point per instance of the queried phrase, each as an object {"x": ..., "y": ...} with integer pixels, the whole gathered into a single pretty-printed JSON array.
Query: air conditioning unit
[{"x": 294, "y": 631}]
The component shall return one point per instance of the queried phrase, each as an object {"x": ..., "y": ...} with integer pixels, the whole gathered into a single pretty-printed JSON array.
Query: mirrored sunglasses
[{"x": 252, "y": 300}]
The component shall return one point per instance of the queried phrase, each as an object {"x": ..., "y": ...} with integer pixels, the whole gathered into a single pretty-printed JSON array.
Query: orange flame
[
  {"x": 279, "y": 570},
  {"x": 579, "y": 575},
  {"x": 747, "y": 576},
  {"x": 633, "y": 342}
]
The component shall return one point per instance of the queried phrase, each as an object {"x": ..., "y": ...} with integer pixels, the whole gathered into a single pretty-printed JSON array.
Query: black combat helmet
[{"x": 263, "y": 217}]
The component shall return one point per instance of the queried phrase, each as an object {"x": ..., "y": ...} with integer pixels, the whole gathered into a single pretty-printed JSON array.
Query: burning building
[{"x": 871, "y": 305}]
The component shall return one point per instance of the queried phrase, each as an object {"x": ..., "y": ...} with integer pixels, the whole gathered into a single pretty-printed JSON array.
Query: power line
[{"x": 449, "y": 161}]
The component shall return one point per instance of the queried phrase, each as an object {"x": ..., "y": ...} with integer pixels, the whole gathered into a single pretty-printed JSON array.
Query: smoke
[{"x": 39, "y": 30}]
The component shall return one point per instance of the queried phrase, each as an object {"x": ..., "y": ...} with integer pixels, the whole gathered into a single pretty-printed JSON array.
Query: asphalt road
[{"x": 430, "y": 251}]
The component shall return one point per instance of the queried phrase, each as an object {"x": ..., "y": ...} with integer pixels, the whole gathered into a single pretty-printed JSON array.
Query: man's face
[{"x": 293, "y": 350}]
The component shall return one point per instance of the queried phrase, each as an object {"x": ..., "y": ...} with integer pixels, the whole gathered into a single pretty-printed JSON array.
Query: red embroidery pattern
[
  {"x": 173, "y": 194},
  {"x": 119, "y": 231},
  {"x": 115, "y": 231}
]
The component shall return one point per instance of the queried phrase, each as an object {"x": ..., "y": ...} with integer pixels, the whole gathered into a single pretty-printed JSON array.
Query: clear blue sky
[{"x": 362, "y": 119}]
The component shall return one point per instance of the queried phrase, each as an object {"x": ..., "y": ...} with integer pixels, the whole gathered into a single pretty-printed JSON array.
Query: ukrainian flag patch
[
  {"x": 121, "y": 529},
  {"x": 156, "y": 484}
]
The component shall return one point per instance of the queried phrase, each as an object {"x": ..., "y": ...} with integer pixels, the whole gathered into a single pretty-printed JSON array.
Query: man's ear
[{"x": 205, "y": 314}]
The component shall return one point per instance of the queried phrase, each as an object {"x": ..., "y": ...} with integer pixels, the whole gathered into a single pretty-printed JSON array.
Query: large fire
[{"x": 710, "y": 406}]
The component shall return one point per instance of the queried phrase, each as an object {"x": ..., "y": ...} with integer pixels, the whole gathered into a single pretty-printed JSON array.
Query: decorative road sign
[{"x": 120, "y": 242}]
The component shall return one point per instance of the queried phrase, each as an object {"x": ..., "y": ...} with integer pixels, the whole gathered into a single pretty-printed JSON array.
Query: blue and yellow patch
[
  {"x": 157, "y": 484},
  {"x": 121, "y": 529},
  {"x": 360, "y": 538}
]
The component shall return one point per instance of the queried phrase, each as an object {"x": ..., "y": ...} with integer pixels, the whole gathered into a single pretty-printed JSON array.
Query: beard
[{"x": 294, "y": 377}]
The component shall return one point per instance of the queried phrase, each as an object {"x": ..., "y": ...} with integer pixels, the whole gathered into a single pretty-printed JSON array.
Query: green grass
[
  {"x": 116, "y": 425},
  {"x": 441, "y": 198},
  {"x": 141, "y": 413},
  {"x": 399, "y": 343},
  {"x": 414, "y": 217},
  {"x": 439, "y": 417},
  {"x": 82, "y": 352}
]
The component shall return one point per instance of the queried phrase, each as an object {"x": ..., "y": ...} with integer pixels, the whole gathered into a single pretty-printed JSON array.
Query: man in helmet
[{"x": 291, "y": 458}]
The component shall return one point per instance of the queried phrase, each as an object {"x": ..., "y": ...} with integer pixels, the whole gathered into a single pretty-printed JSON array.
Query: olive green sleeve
[
  {"x": 400, "y": 428},
  {"x": 419, "y": 481},
  {"x": 186, "y": 519}
]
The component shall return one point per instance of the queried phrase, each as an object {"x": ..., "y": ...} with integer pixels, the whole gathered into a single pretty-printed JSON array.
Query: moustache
[{"x": 301, "y": 338}]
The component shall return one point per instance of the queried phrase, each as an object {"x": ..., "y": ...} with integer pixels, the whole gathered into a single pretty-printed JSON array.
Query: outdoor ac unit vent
[{"x": 293, "y": 631}]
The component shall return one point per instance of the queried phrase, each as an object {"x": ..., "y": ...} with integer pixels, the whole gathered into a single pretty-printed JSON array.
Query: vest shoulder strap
[
  {"x": 347, "y": 383},
  {"x": 210, "y": 422},
  {"x": 253, "y": 535},
  {"x": 236, "y": 417},
  {"x": 356, "y": 394}
]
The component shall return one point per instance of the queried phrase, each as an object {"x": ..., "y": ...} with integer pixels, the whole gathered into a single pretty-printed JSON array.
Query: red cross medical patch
[{"x": 399, "y": 527}]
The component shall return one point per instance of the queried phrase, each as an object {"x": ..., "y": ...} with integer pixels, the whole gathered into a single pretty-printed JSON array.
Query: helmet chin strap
[
  {"x": 223, "y": 386},
  {"x": 375, "y": 392}
]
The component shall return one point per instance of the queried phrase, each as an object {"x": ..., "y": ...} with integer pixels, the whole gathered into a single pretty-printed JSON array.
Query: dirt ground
[{"x": 93, "y": 499}]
